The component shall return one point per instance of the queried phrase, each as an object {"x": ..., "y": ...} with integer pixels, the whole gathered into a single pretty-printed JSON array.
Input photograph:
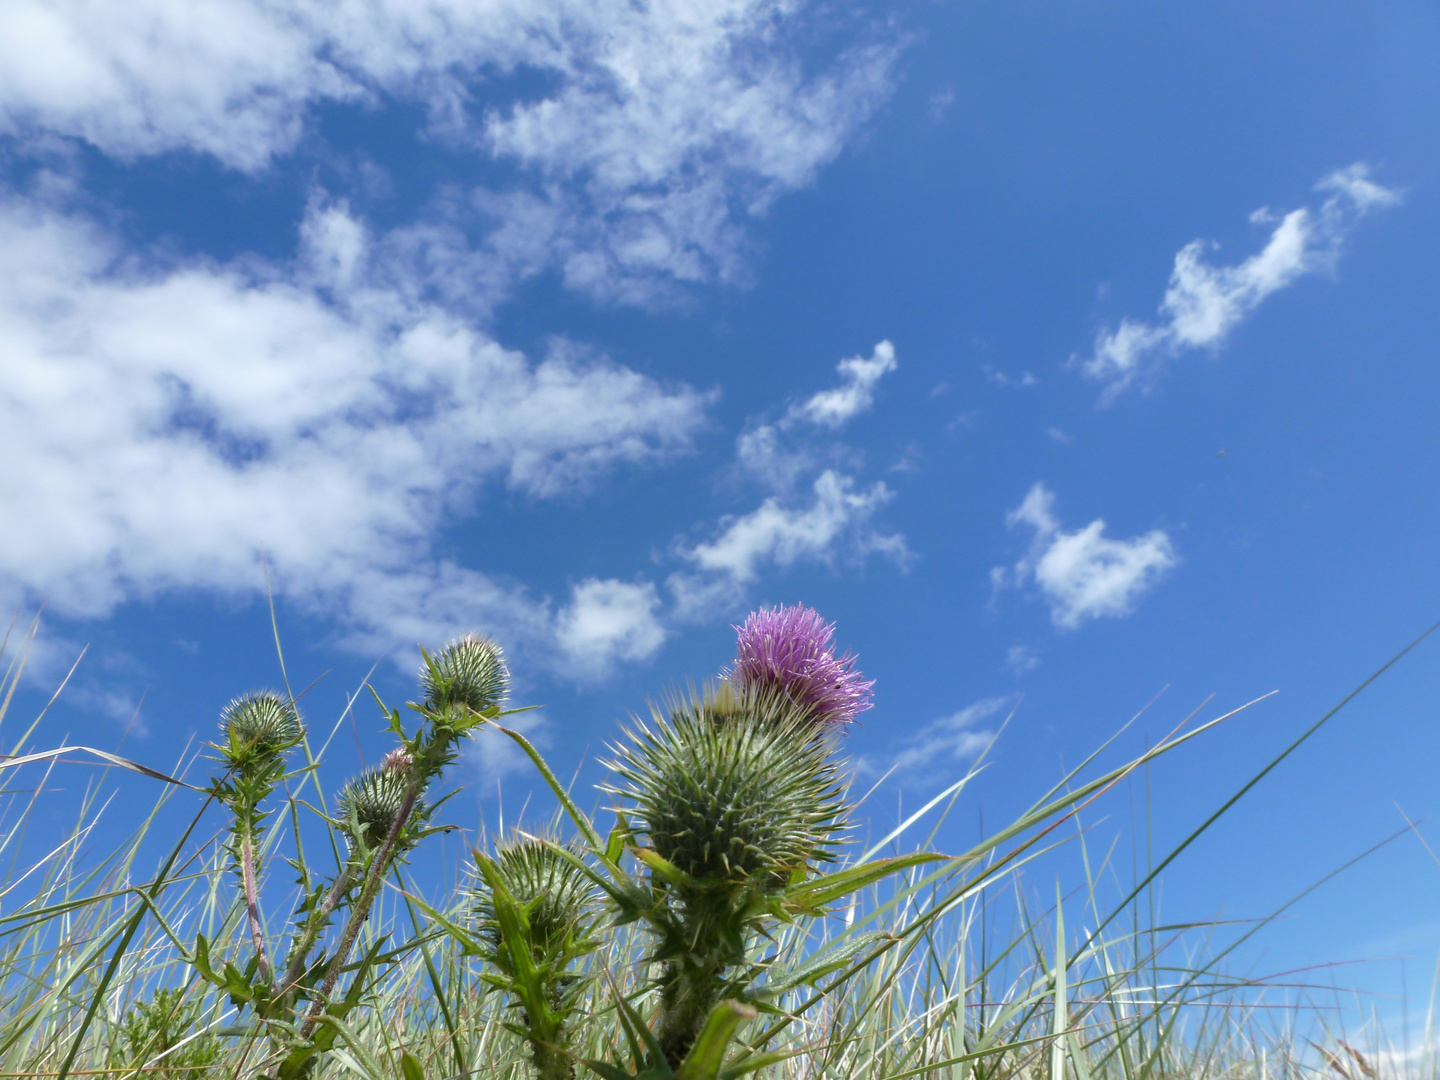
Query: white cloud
[
  {"x": 169, "y": 423},
  {"x": 607, "y": 622},
  {"x": 939, "y": 104},
  {"x": 836, "y": 519},
  {"x": 779, "y": 453},
  {"x": 167, "y": 426},
  {"x": 1020, "y": 659},
  {"x": 1083, "y": 574},
  {"x": 1203, "y": 303},
  {"x": 949, "y": 739},
  {"x": 659, "y": 130},
  {"x": 1024, "y": 380},
  {"x": 769, "y": 454},
  {"x": 856, "y": 392},
  {"x": 187, "y": 424},
  {"x": 826, "y": 520}
]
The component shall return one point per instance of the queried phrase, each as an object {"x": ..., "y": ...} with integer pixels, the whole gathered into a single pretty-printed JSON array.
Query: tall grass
[{"x": 955, "y": 970}]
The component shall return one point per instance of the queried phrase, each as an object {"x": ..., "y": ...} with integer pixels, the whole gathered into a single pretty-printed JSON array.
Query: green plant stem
[
  {"x": 551, "y": 1063},
  {"x": 361, "y": 911},
  {"x": 313, "y": 927},
  {"x": 687, "y": 996},
  {"x": 252, "y": 903}
]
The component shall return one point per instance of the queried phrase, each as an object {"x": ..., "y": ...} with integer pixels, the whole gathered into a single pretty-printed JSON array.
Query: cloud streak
[
  {"x": 950, "y": 739},
  {"x": 1204, "y": 303},
  {"x": 659, "y": 130},
  {"x": 834, "y": 522},
  {"x": 856, "y": 393}
]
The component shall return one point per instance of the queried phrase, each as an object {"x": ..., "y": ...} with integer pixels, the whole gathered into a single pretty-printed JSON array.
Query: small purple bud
[{"x": 789, "y": 649}]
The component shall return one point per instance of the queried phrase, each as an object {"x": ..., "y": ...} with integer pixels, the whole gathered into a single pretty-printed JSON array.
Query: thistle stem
[
  {"x": 551, "y": 1063},
  {"x": 313, "y": 927},
  {"x": 686, "y": 999},
  {"x": 252, "y": 904},
  {"x": 361, "y": 910}
]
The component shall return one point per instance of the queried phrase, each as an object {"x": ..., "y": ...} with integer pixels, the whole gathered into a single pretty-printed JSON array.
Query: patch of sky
[{"x": 183, "y": 204}]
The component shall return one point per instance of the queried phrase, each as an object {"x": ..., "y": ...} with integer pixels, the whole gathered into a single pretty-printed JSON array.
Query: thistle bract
[
  {"x": 789, "y": 650},
  {"x": 748, "y": 800},
  {"x": 468, "y": 672},
  {"x": 368, "y": 807},
  {"x": 258, "y": 726},
  {"x": 398, "y": 760}
]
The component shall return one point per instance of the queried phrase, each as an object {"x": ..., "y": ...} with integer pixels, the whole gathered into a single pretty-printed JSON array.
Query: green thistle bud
[
  {"x": 551, "y": 905},
  {"x": 732, "y": 788},
  {"x": 468, "y": 672},
  {"x": 258, "y": 727},
  {"x": 560, "y": 900},
  {"x": 368, "y": 806}
]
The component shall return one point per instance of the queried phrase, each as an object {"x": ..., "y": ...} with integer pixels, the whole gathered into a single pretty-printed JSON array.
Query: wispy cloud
[
  {"x": 856, "y": 393},
  {"x": 835, "y": 521},
  {"x": 1083, "y": 574},
  {"x": 1204, "y": 303},
  {"x": 950, "y": 739},
  {"x": 169, "y": 423},
  {"x": 815, "y": 511},
  {"x": 1020, "y": 659},
  {"x": 1024, "y": 380},
  {"x": 661, "y": 131},
  {"x": 779, "y": 453}
]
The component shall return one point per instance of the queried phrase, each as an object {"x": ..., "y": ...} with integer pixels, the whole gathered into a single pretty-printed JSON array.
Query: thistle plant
[
  {"x": 162, "y": 1029},
  {"x": 257, "y": 729},
  {"x": 381, "y": 815},
  {"x": 465, "y": 685},
  {"x": 735, "y": 798},
  {"x": 535, "y": 913},
  {"x": 731, "y": 802}
]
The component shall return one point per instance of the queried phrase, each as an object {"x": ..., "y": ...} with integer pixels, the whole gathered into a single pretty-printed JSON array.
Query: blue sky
[{"x": 1060, "y": 353}]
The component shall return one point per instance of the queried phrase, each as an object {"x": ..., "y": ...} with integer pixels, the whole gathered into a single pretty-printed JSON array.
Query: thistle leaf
[
  {"x": 812, "y": 896},
  {"x": 708, "y": 1054}
]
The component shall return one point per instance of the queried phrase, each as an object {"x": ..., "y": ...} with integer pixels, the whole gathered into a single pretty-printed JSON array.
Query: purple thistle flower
[{"x": 789, "y": 649}]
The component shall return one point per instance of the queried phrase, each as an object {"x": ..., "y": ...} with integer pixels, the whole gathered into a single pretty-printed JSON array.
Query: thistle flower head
[
  {"x": 468, "y": 672},
  {"x": 368, "y": 806},
  {"x": 790, "y": 650},
  {"x": 745, "y": 802},
  {"x": 561, "y": 901},
  {"x": 258, "y": 727}
]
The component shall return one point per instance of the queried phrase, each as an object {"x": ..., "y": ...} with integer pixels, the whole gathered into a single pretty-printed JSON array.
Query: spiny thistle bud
[
  {"x": 369, "y": 805},
  {"x": 788, "y": 649},
  {"x": 561, "y": 900},
  {"x": 470, "y": 672},
  {"x": 746, "y": 801},
  {"x": 550, "y": 907},
  {"x": 258, "y": 726}
]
